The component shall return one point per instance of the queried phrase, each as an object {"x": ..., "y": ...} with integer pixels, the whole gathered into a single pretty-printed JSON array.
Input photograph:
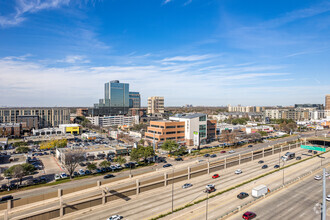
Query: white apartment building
[
  {"x": 155, "y": 105},
  {"x": 194, "y": 123},
  {"x": 119, "y": 120},
  {"x": 273, "y": 113}
]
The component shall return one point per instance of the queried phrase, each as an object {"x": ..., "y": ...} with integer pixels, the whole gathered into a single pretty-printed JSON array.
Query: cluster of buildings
[
  {"x": 240, "y": 108},
  {"x": 185, "y": 129}
]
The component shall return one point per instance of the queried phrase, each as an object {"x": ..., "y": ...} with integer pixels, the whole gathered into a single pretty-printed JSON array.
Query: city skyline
[{"x": 207, "y": 53}]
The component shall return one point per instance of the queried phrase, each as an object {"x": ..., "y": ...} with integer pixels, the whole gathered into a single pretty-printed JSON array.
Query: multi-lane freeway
[
  {"x": 152, "y": 203},
  {"x": 299, "y": 201}
]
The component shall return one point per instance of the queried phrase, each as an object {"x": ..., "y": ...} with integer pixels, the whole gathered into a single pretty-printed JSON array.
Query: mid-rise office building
[
  {"x": 117, "y": 120},
  {"x": 195, "y": 127},
  {"x": 155, "y": 105},
  {"x": 327, "y": 102},
  {"x": 310, "y": 106},
  {"x": 134, "y": 100},
  {"x": 161, "y": 131},
  {"x": 47, "y": 116}
]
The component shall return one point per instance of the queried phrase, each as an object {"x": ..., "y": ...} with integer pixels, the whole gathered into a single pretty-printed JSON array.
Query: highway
[
  {"x": 148, "y": 171},
  {"x": 146, "y": 205},
  {"x": 298, "y": 201}
]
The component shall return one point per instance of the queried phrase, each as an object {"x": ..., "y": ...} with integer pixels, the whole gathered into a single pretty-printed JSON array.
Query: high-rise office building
[
  {"x": 115, "y": 102},
  {"x": 134, "y": 100},
  {"x": 155, "y": 105},
  {"x": 327, "y": 102}
]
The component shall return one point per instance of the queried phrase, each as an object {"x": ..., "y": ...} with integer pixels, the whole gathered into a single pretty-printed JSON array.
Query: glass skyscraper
[{"x": 116, "y": 99}]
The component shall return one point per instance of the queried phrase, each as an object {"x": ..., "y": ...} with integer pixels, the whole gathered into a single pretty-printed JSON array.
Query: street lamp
[
  {"x": 207, "y": 203},
  {"x": 283, "y": 172},
  {"x": 172, "y": 188}
]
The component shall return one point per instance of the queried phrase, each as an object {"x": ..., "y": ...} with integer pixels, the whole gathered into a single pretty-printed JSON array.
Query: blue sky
[{"x": 200, "y": 52}]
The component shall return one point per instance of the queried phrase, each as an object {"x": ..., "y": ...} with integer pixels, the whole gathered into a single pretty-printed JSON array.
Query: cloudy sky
[{"x": 200, "y": 52}]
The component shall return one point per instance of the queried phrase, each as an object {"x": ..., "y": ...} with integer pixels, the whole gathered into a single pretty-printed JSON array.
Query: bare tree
[
  {"x": 72, "y": 158},
  {"x": 19, "y": 173}
]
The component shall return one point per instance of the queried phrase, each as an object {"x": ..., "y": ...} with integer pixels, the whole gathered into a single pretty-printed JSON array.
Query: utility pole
[
  {"x": 324, "y": 204},
  {"x": 283, "y": 172}
]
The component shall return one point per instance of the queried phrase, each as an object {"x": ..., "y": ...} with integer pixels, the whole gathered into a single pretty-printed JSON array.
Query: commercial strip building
[
  {"x": 155, "y": 105},
  {"x": 42, "y": 116},
  {"x": 118, "y": 120},
  {"x": 61, "y": 130}
]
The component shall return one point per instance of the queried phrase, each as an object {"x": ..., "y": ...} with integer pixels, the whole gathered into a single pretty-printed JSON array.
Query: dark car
[
  {"x": 5, "y": 198},
  {"x": 213, "y": 155},
  {"x": 87, "y": 172},
  {"x": 242, "y": 195},
  {"x": 260, "y": 161},
  {"x": 310, "y": 151},
  {"x": 264, "y": 166},
  {"x": 98, "y": 170},
  {"x": 298, "y": 158},
  {"x": 206, "y": 155},
  {"x": 249, "y": 215},
  {"x": 250, "y": 145},
  {"x": 315, "y": 152},
  {"x": 82, "y": 164},
  {"x": 277, "y": 166},
  {"x": 42, "y": 179},
  {"x": 178, "y": 159},
  {"x": 75, "y": 174},
  {"x": 108, "y": 176},
  {"x": 103, "y": 170},
  {"x": 167, "y": 165},
  {"x": 3, "y": 187}
]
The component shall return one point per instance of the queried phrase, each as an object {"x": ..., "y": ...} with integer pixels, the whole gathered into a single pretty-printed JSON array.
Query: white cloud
[
  {"x": 188, "y": 58},
  {"x": 74, "y": 59},
  {"x": 29, "y": 83},
  {"x": 24, "y": 7},
  {"x": 166, "y": 1}
]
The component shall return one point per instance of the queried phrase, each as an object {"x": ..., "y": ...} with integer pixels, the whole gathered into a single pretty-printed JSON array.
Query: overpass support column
[
  {"x": 5, "y": 217},
  {"x": 273, "y": 149},
  {"x": 289, "y": 146},
  {"x": 98, "y": 184},
  {"x": 59, "y": 193},
  {"x": 103, "y": 197},
  {"x": 239, "y": 159},
  {"x": 189, "y": 170},
  {"x": 208, "y": 167},
  {"x": 251, "y": 155},
  {"x": 263, "y": 152},
  {"x": 9, "y": 205},
  {"x": 61, "y": 207},
  {"x": 225, "y": 163},
  {"x": 137, "y": 187},
  {"x": 165, "y": 179}
]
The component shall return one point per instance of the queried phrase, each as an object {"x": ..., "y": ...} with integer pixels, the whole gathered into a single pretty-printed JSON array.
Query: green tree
[
  {"x": 22, "y": 149},
  {"x": 104, "y": 164},
  {"x": 19, "y": 171},
  {"x": 92, "y": 166},
  {"x": 121, "y": 160},
  {"x": 170, "y": 145},
  {"x": 263, "y": 133},
  {"x": 141, "y": 152}
]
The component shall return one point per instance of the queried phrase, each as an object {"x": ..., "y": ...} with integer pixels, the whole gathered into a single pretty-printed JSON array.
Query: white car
[
  {"x": 328, "y": 198},
  {"x": 231, "y": 151},
  {"x": 317, "y": 177},
  {"x": 63, "y": 175},
  {"x": 81, "y": 172},
  {"x": 57, "y": 177},
  {"x": 238, "y": 171},
  {"x": 115, "y": 217},
  {"x": 186, "y": 185},
  {"x": 327, "y": 174}
]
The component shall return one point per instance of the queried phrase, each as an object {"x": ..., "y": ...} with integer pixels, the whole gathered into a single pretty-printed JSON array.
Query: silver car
[{"x": 186, "y": 185}]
